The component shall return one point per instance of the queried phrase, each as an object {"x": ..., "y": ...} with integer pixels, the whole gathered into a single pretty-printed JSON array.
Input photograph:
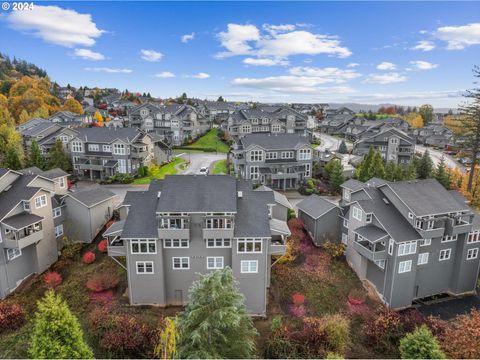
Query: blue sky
[{"x": 367, "y": 52}]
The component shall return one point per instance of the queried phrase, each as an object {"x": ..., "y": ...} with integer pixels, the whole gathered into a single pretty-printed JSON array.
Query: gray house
[
  {"x": 281, "y": 161},
  {"x": 336, "y": 120},
  {"x": 185, "y": 225},
  {"x": 320, "y": 217},
  {"x": 410, "y": 239},
  {"x": 98, "y": 153}
]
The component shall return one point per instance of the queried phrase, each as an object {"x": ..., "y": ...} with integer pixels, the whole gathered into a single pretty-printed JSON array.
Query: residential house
[
  {"x": 98, "y": 153},
  {"x": 175, "y": 123},
  {"x": 281, "y": 161},
  {"x": 393, "y": 144},
  {"x": 410, "y": 239},
  {"x": 336, "y": 120},
  {"x": 282, "y": 205},
  {"x": 433, "y": 135},
  {"x": 188, "y": 225},
  {"x": 362, "y": 127},
  {"x": 71, "y": 119}
]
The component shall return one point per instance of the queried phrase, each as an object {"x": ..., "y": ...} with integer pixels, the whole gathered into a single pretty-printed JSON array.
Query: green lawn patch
[
  {"x": 220, "y": 167},
  {"x": 159, "y": 172},
  {"x": 208, "y": 143}
]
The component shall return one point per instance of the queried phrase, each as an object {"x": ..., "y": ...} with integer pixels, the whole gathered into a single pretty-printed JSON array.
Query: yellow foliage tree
[
  {"x": 474, "y": 195},
  {"x": 98, "y": 118},
  {"x": 415, "y": 120},
  {"x": 455, "y": 124},
  {"x": 167, "y": 343},
  {"x": 73, "y": 105}
]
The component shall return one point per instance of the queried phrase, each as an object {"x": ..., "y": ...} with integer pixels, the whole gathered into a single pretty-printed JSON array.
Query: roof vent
[
  {"x": 158, "y": 194},
  {"x": 240, "y": 194},
  {"x": 386, "y": 201}
]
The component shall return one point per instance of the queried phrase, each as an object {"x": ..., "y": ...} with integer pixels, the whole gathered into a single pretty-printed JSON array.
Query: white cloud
[
  {"x": 264, "y": 61},
  {"x": 353, "y": 65},
  {"x": 423, "y": 65},
  {"x": 188, "y": 37},
  {"x": 151, "y": 55},
  {"x": 201, "y": 75},
  {"x": 109, "y": 70},
  {"x": 383, "y": 79},
  {"x": 424, "y": 45},
  {"x": 325, "y": 75},
  {"x": 277, "y": 41},
  {"x": 88, "y": 54},
  {"x": 419, "y": 95},
  {"x": 165, "y": 74},
  {"x": 459, "y": 37},
  {"x": 56, "y": 25},
  {"x": 386, "y": 66}
]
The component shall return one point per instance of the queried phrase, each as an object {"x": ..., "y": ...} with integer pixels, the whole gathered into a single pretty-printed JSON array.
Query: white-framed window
[
  {"x": 426, "y": 242},
  {"x": 144, "y": 267},
  {"x": 214, "y": 262},
  {"x": 390, "y": 246},
  {"x": 59, "y": 230},
  {"x": 40, "y": 201},
  {"x": 143, "y": 246},
  {"x": 219, "y": 243},
  {"x": 119, "y": 149},
  {"x": 271, "y": 155},
  {"x": 344, "y": 239},
  {"x": 422, "y": 258},
  {"x": 404, "y": 266},
  {"x": 181, "y": 263},
  {"x": 26, "y": 205},
  {"x": 64, "y": 139},
  {"x": 13, "y": 254},
  {"x": 57, "y": 212},
  {"x": 256, "y": 155},
  {"x": 418, "y": 224},
  {"x": 218, "y": 223},
  {"x": 122, "y": 166},
  {"x": 288, "y": 154},
  {"x": 249, "y": 266},
  {"x": 381, "y": 263},
  {"x": 448, "y": 238},
  {"x": 276, "y": 128},
  {"x": 430, "y": 224},
  {"x": 254, "y": 172},
  {"x": 357, "y": 213},
  {"x": 175, "y": 243},
  {"x": 346, "y": 194},
  {"x": 393, "y": 140},
  {"x": 345, "y": 223},
  {"x": 107, "y": 148},
  {"x": 307, "y": 170},
  {"x": 93, "y": 147},
  {"x": 249, "y": 246},
  {"x": 473, "y": 237},
  {"x": 445, "y": 254},
  {"x": 77, "y": 146},
  {"x": 246, "y": 129},
  {"x": 304, "y": 154},
  {"x": 368, "y": 218},
  {"x": 173, "y": 223},
  {"x": 472, "y": 254},
  {"x": 407, "y": 248}
]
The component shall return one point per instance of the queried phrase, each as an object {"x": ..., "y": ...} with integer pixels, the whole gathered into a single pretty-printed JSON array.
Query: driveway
[
  {"x": 329, "y": 142},
  {"x": 199, "y": 160},
  {"x": 436, "y": 156},
  {"x": 448, "y": 309}
]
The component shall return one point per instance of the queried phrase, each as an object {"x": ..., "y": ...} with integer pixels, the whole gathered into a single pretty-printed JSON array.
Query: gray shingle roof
[
  {"x": 3, "y": 172},
  {"x": 37, "y": 129},
  {"x": 252, "y": 216},
  {"x": 115, "y": 229},
  {"x": 279, "y": 198},
  {"x": 198, "y": 193},
  {"x": 17, "y": 192},
  {"x": 107, "y": 135},
  {"x": 426, "y": 197},
  {"x": 274, "y": 142},
  {"x": 315, "y": 206},
  {"x": 22, "y": 220},
  {"x": 54, "y": 173},
  {"x": 92, "y": 196},
  {"x": 371, "y": 232},
  {"x": 353, "y": 185},
  {"x": 141, "y": 221}
]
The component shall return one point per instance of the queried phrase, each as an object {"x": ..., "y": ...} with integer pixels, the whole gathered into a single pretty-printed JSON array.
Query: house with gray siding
[
  {"x": 187, "y": 225},
  {"x": 410, "y": 239},
  {"x": 281, "y": 161}
]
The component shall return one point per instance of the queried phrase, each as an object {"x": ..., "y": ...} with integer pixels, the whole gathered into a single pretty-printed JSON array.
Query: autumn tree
[
  {"x": 426, "y": 112},
  {"x": 167, "y": 342},
  {"x": 35, "y": 157},
  {"x": 98, "y": 118},
  {"x": 462, "y": 340},
  {"x": 415, "y": 120},
  {"x": 72, "y": 105},
  {"x": 58, "y": 158}
]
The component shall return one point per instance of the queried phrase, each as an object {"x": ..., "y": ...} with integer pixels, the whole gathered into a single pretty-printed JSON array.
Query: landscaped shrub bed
[{"x": 12, "y": 316}]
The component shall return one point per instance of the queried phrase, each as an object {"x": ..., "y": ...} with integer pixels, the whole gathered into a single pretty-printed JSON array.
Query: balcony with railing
[
  {"x": 23, "y": 237},
  {"x": 218, "y": 227},
  {"x": 369, "y": 250},
  {"x": 174, "y": 228},
  {"x": 458, "y": 225}
]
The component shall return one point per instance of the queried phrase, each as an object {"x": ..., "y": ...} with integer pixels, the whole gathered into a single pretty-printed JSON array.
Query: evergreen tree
[
  {"x": 57, "y": 333},
  {"x": 398, "y": 173},
  {"x": 220, "y": 99},
  {"x": 390, "y": 171},
  {"x": 410, "y": 172},
  {"x": 442, "y": 174},
  {"x": 12, "y": 158},
  {"x": 342, "y": 149},
  {"x": 335, "y": 174},
  {"x": 376, "y": 169},
  {"x": 420, "y": 344},
  {"x": 58, "y": 157},
  {"x": 215, "y": 323},
  {"x": 35, "y": 157},
  {"x": 425, "y": 166},
  {"x": 362, "y": 171}
]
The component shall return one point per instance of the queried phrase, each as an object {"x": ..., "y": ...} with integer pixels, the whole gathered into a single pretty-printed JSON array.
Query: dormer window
[
  {"x": 368, "y": 218},
  {"x": 346, "y": 194},
  {"x": 26, "y": 205}
]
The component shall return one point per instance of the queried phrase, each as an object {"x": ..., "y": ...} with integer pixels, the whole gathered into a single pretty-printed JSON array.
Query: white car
[{"x": 203, "y": 171}]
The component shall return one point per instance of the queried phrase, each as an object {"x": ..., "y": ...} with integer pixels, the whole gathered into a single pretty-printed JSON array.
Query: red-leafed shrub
[
  {"x": 102, "y": 281},
  {"x": 298, "y": 299},
  {"x": 462, "y": 338},
  {"x": 52, "y": 279},
  {"x": 102, "y": 246},
  {"x": 102, "y": 297},
  {"x": 88, "y": 257},
  {"x": 295, "y": 224},
  {"x": 298, "y": 311},
  {"x": 12, "y": 316},
  {"x": 384, "y": 331}
]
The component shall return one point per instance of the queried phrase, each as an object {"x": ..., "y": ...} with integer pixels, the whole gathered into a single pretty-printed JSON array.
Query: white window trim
[
  {"x": 43, "y": 201},
  {"x": 181, "y": 262},
  {"x": 59, "y": 233},
  {"x": 404, "y": 264},
  {"x": 448, "y": 238},
  {"x": 17, "y": 253},
  {"x": 426, "y": 242},
  {"x": 473, "y": 251},
  {"x": 144, "y": 263},
  {"x": 247, "y": 241},
  {"x": 57, "y": 212},
  {"x": 171, "y": 246},
  {"x": 423, "y": 258},
  {"x": 473, "y": 237},
  {"x": 139, "y": 242},
  {"x": 407, "y": 248},
  {"x": 445, "y": 251},
  {"x": 357, "y": 213},
  {"x": 215, "y": 258},
  {"x": 249, "y": 262},
  {"x": 390, "y": 246},
  {"x": 215, "y": 243}
]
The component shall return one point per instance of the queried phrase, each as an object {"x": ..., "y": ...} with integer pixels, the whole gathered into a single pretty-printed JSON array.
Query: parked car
[{"x": 204, "y": 171}]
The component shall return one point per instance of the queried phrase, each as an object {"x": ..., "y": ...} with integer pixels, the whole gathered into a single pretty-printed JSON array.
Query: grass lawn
[
  {"x": 159, "y": 172},
  {"x": 220, "y": 167},
  {"x": 209, "y": 140}
]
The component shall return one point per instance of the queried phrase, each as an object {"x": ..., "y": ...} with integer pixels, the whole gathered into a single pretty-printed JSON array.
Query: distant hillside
[
  {"x": 15, "y": 69},
  {"x": 371, "y": 107}
]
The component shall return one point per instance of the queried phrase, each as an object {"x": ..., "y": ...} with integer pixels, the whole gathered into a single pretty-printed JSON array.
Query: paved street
[
  {"x": 436, "y": 156},
  {"x": 199, "y": 160}
]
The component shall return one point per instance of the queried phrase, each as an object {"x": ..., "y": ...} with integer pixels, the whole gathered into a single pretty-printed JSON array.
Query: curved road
[{"x": 199, "y": 160}]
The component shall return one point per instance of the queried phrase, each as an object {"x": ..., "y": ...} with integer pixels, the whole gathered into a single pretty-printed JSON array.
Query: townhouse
[
  {"x": 392, "y": 143},
  {"x": 336, "y": 120},
  {"x": 433, "y": 135},
  {"x": 409, "y": 239},
  {"x": 174, "y": 123},
  {"x": 185, "y": 225},
  {"x": 282, "y": 161},
  {"x": 98, "y": 153},
  {"x": 267, "y": 120}
]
